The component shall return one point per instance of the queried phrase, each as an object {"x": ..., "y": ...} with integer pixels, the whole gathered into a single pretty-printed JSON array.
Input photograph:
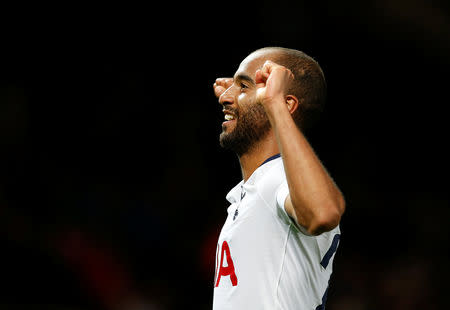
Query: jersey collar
[
  {"x": 271, "y": 158},
  {"x": 234, "y": 194}
]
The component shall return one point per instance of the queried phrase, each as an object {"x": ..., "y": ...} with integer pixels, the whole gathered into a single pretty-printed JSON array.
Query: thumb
[{"x": 260, "y": 94}]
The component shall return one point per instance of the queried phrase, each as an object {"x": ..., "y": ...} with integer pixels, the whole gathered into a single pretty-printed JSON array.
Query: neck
[{"x": 251, "y": 160}]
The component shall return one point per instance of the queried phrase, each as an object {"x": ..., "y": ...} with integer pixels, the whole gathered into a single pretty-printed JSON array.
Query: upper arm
[
  {"x": 290, "y": 208},
  {"x": 310, "y": 220},
  {"x": 314, "y": 225},
  {"x": 285, "y": 203}
]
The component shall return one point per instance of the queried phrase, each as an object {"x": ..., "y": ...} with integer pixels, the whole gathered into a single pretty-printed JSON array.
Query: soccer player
[{"x": 276, "y": 248}]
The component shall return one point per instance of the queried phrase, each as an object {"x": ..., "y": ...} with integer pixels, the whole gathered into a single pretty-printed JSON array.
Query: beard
[{"x": 251, "y": 126}]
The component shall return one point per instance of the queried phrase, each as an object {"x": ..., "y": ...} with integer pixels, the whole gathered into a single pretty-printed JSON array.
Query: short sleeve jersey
[{"x": 264, "y": 259}]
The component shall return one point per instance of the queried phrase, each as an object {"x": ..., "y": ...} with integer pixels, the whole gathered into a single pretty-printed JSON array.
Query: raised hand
[
  {"x": 221, "y": 85},
  {"x": 272, "y": 81}
]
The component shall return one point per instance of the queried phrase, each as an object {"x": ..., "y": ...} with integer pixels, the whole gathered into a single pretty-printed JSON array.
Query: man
[{"x": 275, "y": 250}]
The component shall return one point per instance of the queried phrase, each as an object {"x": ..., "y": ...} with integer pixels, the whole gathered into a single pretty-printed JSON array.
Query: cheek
[
  {"x": 242, "y": 97},
  {"x": 246, "y": 100}
]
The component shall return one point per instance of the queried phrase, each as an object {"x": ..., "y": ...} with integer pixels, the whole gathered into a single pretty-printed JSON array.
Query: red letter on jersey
[{"x": 226, "y": 270}]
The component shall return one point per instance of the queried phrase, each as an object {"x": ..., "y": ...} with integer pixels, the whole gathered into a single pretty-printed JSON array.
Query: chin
[
  {"x": 227, "y": 129},
  {"x": 222, "y": 136},
  {"x": 225, "y": 139}
]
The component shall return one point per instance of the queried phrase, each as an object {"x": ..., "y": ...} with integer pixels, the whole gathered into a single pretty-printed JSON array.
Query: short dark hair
[{"x": 309, "y": 85}]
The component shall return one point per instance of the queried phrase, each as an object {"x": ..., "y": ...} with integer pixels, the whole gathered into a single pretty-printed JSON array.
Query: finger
[
  {"x": 219, "y": 90},
  {"x": 224, "y": 82},
  {"x": 221, "y": 85},
  {"x": 267, "y": 68},
  {"x": 262, "y": 74},
  {"x": 259, "y": 77}
]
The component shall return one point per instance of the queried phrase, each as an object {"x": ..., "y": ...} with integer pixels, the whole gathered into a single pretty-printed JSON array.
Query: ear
[{"x": 292, "y": 103}]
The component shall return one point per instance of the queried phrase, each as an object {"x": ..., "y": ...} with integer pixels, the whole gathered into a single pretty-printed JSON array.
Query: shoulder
[
  {"x": 270, "y": 185},
  {"x": 271, "y": 176},
  {"x": 269, "y": 181}
]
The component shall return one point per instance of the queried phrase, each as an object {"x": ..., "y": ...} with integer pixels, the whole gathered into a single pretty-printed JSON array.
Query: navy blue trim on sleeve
[
  {"x": 324, "y": 301},
  {"x": 326, "y": 258}
]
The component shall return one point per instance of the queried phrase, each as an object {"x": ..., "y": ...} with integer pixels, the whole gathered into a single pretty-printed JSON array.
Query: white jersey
[{"x": 264, "y": 259}]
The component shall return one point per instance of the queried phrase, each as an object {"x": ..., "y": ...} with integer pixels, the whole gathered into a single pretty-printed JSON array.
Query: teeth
[{"x": 229, "y": 117}]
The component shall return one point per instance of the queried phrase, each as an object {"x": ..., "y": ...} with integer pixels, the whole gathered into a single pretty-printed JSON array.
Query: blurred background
[{"x": 112, "y": 182}]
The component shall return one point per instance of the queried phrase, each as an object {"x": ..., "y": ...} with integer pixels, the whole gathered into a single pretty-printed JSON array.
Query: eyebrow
[{"x": 244, "y": 77}]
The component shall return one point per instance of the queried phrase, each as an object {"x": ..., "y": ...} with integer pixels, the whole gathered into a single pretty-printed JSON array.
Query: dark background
[{"x": 112, "y": 182}]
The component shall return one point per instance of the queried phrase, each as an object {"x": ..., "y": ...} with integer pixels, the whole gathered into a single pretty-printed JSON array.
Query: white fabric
[{"x": 277, "y": 266}]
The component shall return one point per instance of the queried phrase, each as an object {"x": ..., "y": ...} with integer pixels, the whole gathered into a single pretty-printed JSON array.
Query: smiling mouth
[{"x": 229, "y": 116}]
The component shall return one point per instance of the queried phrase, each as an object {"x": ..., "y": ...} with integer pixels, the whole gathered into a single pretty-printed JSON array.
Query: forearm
[{"x": 316, "y": 200}]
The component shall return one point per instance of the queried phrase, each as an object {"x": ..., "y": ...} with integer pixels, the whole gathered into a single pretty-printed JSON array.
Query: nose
[{"x": 227, "y": 97}]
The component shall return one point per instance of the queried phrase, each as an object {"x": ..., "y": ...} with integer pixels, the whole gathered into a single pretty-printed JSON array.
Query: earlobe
[{"x": 292, "y": 103}]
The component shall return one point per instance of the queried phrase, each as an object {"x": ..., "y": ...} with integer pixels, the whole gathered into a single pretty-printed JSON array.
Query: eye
[{"x": 243, "y": 86}]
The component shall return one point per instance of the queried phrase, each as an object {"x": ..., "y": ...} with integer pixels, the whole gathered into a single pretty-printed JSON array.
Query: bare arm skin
[{"x": 314, "y": 200}]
